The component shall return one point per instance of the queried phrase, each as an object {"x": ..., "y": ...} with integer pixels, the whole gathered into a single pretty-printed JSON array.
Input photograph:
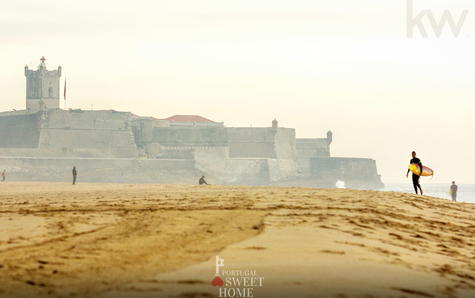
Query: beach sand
[{"x": 119, "y": 240}]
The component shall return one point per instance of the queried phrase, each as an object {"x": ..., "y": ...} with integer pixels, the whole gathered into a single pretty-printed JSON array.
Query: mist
[{"x": 312, "y": 65}]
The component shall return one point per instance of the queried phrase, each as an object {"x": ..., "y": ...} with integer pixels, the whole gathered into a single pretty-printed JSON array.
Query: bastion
[{"x": 43, "y": 142}]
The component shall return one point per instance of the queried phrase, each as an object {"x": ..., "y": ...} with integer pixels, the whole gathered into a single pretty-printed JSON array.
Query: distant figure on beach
[
  {"x": 453, "y": 191},
  {"x": 4, "y": 175},
  {"x": 415, "y": 177},
  {"x": 203, "y": 181},
  {"x": 75, "y": 174}
]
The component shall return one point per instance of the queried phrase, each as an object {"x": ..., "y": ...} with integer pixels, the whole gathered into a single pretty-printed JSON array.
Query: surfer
[
  {"x": 415, "y": 177},
  {"x": 453, "y": 191}
]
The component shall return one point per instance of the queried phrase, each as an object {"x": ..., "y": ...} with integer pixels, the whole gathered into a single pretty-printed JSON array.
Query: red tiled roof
[{"x": 188, "y": 118}]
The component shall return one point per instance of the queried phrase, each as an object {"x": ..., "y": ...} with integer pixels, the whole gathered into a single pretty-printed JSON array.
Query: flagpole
[{"x": 64, "y": 94}]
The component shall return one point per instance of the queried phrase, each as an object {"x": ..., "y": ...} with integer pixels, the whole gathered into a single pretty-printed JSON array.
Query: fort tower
[{"x": 42, "y": 87}]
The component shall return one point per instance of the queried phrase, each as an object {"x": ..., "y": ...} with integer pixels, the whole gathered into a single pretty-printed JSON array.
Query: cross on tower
[{"x": 43, "y": 59}]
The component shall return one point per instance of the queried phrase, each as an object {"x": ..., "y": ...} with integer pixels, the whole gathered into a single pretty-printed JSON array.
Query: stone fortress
[{"x": 43, "y": 142}]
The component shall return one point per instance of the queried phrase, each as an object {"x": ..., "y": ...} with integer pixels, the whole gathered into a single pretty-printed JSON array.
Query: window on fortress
[{"x": 50, "y": 92}]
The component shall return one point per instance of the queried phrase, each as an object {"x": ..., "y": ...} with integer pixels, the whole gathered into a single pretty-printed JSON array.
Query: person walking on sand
[
  {"x": 203, "y": 181},
  {"x": 4, "y": 175},
  {"x": 453, "y": 191},
  {"x": 75, "y": 174},
  {"x": 415, "y": 177}
]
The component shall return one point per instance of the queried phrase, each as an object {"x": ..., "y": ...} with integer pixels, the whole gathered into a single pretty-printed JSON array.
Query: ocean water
[{"x": 466, "y": 192}]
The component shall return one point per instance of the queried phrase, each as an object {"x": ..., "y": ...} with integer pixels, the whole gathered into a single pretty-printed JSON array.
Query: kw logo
[{"x": 416, "y": 21}]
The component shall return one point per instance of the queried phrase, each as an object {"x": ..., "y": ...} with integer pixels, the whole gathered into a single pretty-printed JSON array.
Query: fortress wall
[
  {"x": 303, "y": 166},
  {"x": 307, "y": 148},
  {"x": 190, "y": 136},
  {"x": 356, "y": 172},
  {"x": 273, "y": 170},
  {"x": 101, "y": 170},
  {"x": 15, "y": 113},
  {"x": 248, "y": 171},
  {"x": 173, "y": 153},
  {"x": 251, "y": 150},
  {"x": 287, "y": 168},
  {"x": 19, "y": 131},
  {"x": 245, "y": 171},
  {"x": 211, "y": 162},
  {"x": 211, "y": 159},
  {"x": 263, "y": 142},
  {"x": 80, "y": 119},
  {"x": 160, "y": 122},
  {"x": 89, "y": 142},
  {"x": 251, "y": 142},
  {"x": 285, "y": 146},
  {"x": 276, "y": 144},
  {"x": 215, "y": 164},
  {"x": 154, "y": 150},
  {"x": 87, "y": 134},
  {"x": 29, "y": 152},
  {"x": 143, "y": 131},
  {"x": 67, "y": 133},
  {"x": 40, "y": 104}
]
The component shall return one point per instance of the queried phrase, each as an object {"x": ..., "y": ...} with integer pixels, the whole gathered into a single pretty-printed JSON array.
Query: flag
[{"x": 64, "y": 94}]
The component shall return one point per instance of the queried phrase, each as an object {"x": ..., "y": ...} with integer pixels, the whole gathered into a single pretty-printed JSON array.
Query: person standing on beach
[
  {"x": 453, "y": 191},
  {"x": 75, "y": 174},
  {"x": 4, "y": 175},
  {"x": 415, "y": 177}
]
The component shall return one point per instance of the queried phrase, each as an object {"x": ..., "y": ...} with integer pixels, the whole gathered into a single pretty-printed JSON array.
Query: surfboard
[{"x": 426, "y": 171}]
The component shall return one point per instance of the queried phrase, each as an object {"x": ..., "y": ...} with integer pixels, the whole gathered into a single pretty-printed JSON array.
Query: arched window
[{"x": 50, "y": 92}]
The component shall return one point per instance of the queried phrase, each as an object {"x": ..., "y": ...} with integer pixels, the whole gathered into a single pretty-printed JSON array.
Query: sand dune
[{"x": 108, "y": 240}]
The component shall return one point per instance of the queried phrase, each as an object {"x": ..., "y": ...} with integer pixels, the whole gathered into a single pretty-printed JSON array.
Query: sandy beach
[{"x": 120, "y": 240}]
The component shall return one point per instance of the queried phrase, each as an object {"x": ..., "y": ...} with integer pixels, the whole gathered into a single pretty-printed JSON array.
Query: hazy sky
[{"x": 340, "y": 65}]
